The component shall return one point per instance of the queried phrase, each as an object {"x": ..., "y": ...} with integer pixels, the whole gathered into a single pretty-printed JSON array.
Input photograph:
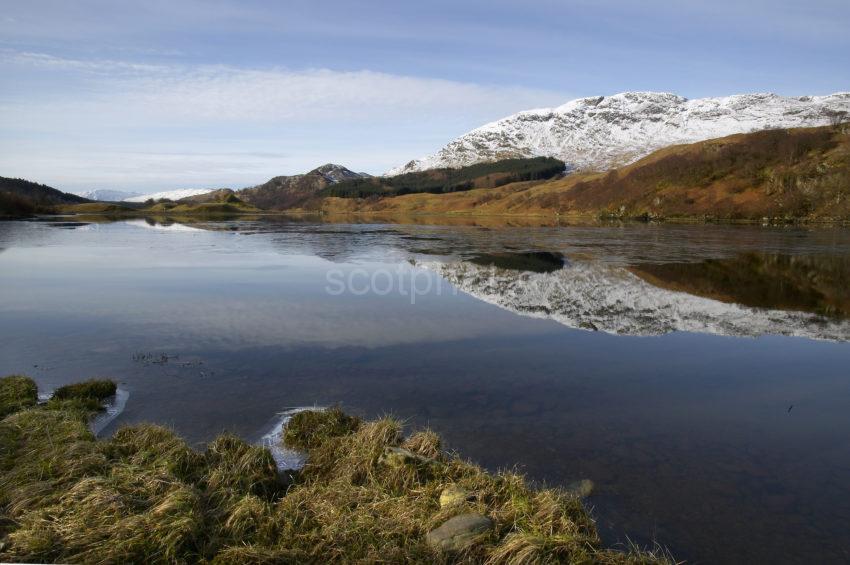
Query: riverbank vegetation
[{"x": 366, "y": 494}]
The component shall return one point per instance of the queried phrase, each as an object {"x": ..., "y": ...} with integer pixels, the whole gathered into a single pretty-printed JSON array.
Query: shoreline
[{"x": 367, "y": 492}]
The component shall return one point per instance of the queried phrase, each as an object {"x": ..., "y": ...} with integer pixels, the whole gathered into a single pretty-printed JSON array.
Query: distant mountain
[
  {"x": 170, "y": 194},
  {"x": 602, "y": 132},
  {"x": 106, "y": 195},
  {"x": 291, "y": 191}
]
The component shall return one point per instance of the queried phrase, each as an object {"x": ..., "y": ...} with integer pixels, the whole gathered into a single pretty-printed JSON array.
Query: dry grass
[
  {"x": 16, "y": 393},
  {"x": 146, "y": 496},
  {"x": 789, "y": 174}
]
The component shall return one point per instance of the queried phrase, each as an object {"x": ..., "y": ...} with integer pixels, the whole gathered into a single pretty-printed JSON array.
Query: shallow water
[{"x": 649, "y": 363}]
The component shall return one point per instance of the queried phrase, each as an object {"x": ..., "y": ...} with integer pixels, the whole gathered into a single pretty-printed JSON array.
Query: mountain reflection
[{"x": 750, "y": 295}]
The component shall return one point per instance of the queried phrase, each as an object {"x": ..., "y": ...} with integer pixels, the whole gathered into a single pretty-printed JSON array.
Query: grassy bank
[{"x": 367, "y": 494}]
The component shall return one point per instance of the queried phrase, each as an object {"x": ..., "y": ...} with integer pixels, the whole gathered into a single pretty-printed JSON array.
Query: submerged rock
[
  {"x": 459, "y": 532},
  {"x": 452, "y": 495},
  {"x": 580, "y": 489}
]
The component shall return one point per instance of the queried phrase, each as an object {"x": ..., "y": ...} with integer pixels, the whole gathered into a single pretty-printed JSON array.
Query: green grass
[
  {"x": 16, "y": 393},
  {"x": 144, "y": 495},
  {"x": 94, "y": 389}
]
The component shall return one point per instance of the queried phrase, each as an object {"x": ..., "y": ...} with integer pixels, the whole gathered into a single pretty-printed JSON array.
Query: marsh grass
[{"x": 144, "y": 495}]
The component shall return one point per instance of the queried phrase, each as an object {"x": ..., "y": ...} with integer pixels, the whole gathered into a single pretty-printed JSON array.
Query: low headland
[{"x": 367, "y": 493}]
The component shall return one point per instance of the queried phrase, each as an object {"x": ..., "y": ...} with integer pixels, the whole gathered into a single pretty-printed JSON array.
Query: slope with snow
[
  {"x": 602, "y": 132},
  {"x": 107, "y": 195},
  {"x": 170, "y": 194}
]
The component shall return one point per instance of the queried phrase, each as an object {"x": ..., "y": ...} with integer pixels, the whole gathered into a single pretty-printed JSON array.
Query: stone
[
  {"x": 580, "y": 489},
  {"x": 459, "y": 532},
  {"x": 399, "y": 457},
  {"x": 452, "y": 495}
]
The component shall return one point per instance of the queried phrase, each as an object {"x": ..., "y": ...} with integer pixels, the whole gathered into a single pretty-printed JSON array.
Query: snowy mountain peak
[{"x": 601, "y": 132}]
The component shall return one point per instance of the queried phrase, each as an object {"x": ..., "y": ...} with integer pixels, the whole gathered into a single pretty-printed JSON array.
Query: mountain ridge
[{"x": 602, "y": 132}]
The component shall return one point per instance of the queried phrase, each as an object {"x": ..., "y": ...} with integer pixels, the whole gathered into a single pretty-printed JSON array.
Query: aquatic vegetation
[{"x": 366, "y": 494}]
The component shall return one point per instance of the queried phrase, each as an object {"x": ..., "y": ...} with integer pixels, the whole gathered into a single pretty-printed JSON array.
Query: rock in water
[
  {"x": 580, "y": 489},
  {"x": 452, "y": 495},
  {"x": 459, "y": 532}
]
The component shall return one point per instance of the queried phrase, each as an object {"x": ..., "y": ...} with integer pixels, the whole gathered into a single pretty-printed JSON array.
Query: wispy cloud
[{"x": 159, "y": 116}]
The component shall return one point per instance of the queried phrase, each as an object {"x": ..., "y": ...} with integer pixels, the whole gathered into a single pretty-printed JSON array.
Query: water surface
[{"x": 699, "y": 375}]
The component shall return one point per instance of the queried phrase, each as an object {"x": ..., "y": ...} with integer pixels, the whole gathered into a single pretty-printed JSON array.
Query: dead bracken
[{"x": 144, "y": 495}]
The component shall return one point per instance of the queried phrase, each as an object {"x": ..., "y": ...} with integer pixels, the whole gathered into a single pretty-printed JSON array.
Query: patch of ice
[
  {"x": 113, "y": 408},
  {"x": 286, "y": 459}
]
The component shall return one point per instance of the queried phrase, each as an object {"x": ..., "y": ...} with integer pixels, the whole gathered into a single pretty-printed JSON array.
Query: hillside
[
  {"x": 602, "y": 132},
  {"x": 285, "y": 192},
  {"x": 19, "y": 197},
  {"x": 799, "y": 173},
  {"x": 439, "y": 181}
]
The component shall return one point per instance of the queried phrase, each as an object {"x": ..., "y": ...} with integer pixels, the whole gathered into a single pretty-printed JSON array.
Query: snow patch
[{"x": 170, "y": 194}]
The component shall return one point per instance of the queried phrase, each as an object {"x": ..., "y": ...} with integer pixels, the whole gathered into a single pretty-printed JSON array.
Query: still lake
[{"x": 699, "y": 375}]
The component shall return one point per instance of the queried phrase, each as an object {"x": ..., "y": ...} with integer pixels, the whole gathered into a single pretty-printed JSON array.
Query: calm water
[{"x": 699, "y": 375}]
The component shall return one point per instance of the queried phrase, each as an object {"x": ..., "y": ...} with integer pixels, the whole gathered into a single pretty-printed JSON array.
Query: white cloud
[{"x": 186, "y": 124}]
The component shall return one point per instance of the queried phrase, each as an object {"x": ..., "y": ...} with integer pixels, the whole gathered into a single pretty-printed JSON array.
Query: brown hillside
[{"x": 797, "y": 173}]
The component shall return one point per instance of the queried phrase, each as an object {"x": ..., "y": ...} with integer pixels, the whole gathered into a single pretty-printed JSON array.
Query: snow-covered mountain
[
  {"x": 108, "y": 195},
  {"x": 602, "y": 132},
  {"x": 170, "y": 194},
  {"x": 609, "y": 298}
]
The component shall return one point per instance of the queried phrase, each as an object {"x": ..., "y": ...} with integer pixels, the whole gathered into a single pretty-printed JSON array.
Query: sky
[{"x": 167, "y": 94}]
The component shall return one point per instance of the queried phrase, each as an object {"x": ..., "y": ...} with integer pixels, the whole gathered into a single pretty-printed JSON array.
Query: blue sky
[{"x": 178, "y": 94}]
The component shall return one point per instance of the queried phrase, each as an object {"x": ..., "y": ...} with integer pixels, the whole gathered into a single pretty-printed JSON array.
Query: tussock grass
[
  {"x": 306, "y": 429},
  {"x": 96, "y": 389},
  {"x": 367, "y": 494},
  {"x": 16, "y": 393}
]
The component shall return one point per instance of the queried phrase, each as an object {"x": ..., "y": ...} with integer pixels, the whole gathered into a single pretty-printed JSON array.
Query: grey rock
[
  {"x": 459, "y": 532},
  {"x": 399, "y": 457}
]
